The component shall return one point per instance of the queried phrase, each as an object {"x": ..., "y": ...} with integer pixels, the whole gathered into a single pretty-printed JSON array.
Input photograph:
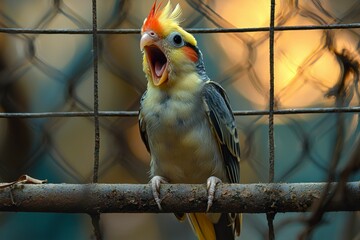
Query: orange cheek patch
[{"x": 191, "y": 54}]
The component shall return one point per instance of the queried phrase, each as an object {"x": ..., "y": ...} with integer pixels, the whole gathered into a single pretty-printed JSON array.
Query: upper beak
[{"x": 147, "y": 39}]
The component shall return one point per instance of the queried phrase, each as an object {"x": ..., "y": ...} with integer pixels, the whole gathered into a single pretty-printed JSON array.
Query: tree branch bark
[{"x": 131, "y": 198}]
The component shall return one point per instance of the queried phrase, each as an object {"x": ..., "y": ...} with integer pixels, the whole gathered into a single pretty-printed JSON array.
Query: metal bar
[
  {"x": 95, "y": 220},
  {"x": 191, "y": 30},
  {"x": 95, "y": 217},
  {"x": 276, "y": 28},
  {"x": 131, "y": 198},
  {"x": 271, "y": 92},
  {"x": 135, "y": 113},
  {"x": 69, "y": 114},
  {"x": 96, "y": 95},
  {"x": 270, "y": 215}
]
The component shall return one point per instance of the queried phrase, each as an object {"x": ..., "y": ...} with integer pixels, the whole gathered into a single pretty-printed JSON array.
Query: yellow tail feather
[
  {"x": 238, "y": 224},
  {"x": 202, "y": 226}
]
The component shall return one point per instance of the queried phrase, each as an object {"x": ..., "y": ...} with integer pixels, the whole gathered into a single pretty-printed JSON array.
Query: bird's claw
[
  {"x": 155, "y": 183},
  {"x": 211, "y": 187}
]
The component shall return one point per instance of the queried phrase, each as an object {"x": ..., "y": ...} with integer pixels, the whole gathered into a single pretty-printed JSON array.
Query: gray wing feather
[
  {"x": 142, "y": 125},
  {"x": 222, "y": 121}
]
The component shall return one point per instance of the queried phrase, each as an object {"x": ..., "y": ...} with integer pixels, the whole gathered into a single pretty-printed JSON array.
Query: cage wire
[{"x": 71, "y": 79}]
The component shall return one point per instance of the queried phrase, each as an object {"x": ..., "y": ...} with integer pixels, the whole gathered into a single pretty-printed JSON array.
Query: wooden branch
[{"x": 131, "y": 198}]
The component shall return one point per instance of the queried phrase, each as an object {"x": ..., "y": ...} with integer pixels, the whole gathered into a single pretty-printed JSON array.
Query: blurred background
[{"x": 51, "y": 72}]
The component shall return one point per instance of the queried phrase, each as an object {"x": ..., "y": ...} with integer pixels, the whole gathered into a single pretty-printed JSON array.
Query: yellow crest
[{"x": 166, "y": 20}]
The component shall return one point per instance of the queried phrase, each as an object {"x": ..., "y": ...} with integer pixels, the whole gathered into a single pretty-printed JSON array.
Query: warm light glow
[
  {"x": 241, "y": 13},
  {"x": 305, "y": 67}
]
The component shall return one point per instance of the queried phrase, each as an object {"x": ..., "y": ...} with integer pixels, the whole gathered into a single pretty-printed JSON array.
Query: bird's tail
[
  {"x": 202, "y": 226},
  {"x": 215, "y": 226}
]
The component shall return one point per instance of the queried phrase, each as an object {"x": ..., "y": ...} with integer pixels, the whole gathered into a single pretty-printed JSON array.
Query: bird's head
[{"x": 168, "y": 49}]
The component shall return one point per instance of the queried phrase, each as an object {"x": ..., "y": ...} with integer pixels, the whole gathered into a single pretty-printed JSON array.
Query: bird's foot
[
  {"x": 155, "y": 183},
  {"x": 211, "y": 187}
]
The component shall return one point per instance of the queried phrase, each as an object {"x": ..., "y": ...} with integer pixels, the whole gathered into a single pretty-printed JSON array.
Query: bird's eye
[{"x": 176, "y": 39}]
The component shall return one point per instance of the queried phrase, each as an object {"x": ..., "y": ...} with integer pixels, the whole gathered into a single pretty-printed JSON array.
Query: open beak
[{"x": 155, "y": 57}]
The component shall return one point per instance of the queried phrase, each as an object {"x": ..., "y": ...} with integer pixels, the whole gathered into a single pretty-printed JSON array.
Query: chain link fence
[{"x": 56, "y": 90}]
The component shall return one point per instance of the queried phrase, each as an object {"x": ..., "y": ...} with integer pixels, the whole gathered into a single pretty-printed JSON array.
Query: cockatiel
[{"x": 185, "y": 120}]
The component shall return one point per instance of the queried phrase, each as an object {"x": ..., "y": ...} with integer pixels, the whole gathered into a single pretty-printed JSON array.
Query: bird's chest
[
  {"x": 172, "y": 113},
  {"x": 180, "y": 140},
  {"x": 172, "y": 122}
]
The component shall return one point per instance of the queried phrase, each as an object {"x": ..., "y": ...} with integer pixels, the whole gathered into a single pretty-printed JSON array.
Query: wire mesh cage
[{"x": 71, "y": 79}]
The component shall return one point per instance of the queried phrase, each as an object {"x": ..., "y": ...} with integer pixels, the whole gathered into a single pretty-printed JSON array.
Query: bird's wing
[
  {"x": 222, "y": 121},
  {"x": 142, "y": 125}
]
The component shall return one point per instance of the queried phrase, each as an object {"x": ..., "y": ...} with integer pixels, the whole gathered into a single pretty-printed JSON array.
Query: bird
[{"x": 185, "y": 120}]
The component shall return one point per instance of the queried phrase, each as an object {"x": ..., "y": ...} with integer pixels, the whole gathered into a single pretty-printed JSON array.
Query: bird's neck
[{"x": 182, "y": 85}]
